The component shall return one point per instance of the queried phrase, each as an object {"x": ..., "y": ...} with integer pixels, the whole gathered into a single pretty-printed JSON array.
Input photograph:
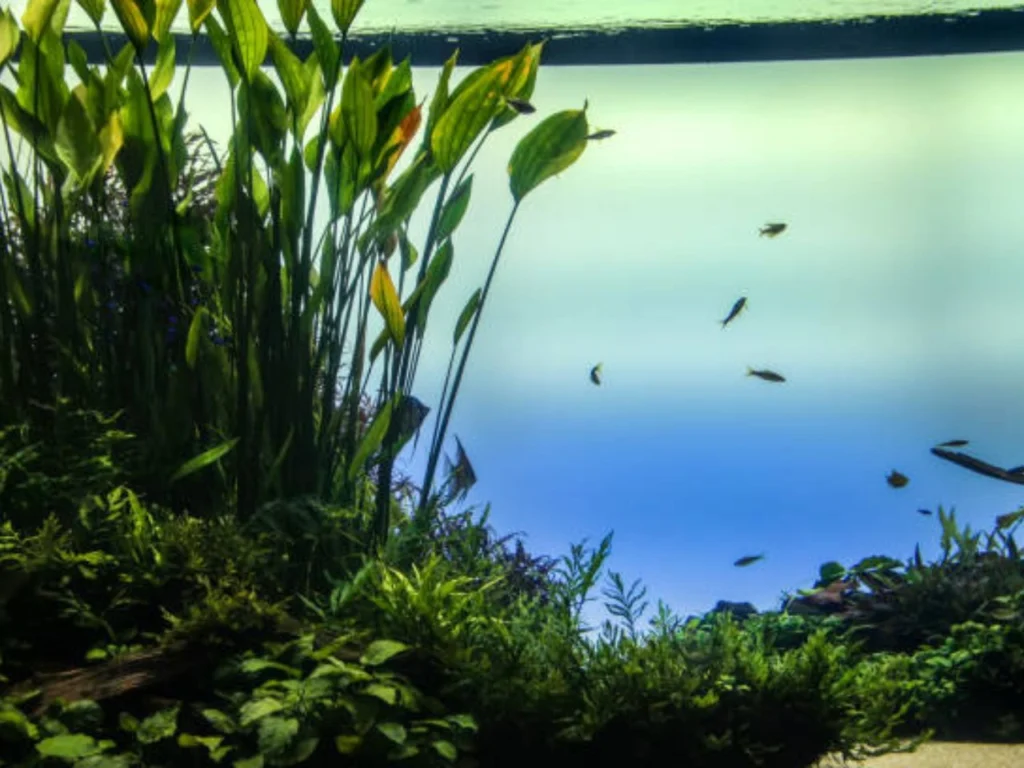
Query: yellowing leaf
[
  {"x": 550, "y": 148},
  {"x": 198, "y": 10},
  {"x": 204, "y": 459},
  {"x": 9, "y": 36},
  {"x": 133, "y": 22},
  {"x": 111, "y": 140},
  {"x": 464, "y": 119},
  {"x": 385, "y": 299},
  {"x": 37, "y": 16},
  {"x": 344, "y": 12},
  {"x": 166, "y": 13}
]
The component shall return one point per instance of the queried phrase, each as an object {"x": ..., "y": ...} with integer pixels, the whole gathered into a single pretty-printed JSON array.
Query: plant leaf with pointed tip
[
  {"x": 166, "y": 13},
  {"x": 292, "y": 12},
  {"x": 248, "y": 32},
  {"x": 94, "y": 9},
  {"x": 554, "y": 145},
  {"x": 37, "y": 16},
  {"x": 467, "y": 315},
  {"x": 9, "y": 36},
  {"x": 454, "y": 209},
  {"x": 198, "y": 10},
  {"x": 326, "y": 49},
  {"x": 385, "y": 299},
  {"x": 465, "y": 117},
  {"x": 357, "y": 111},
  {"x": 134, "y": 24},
  {"x": 344, "y": 12},
  {"x": 195, "y": 334},
  {"x": 380, "y": 651},
  {"x": 204, "y": 459},
  {"x": 76, "y": 142},
  {"x": 373, "y": 438},
  {"x": 163, "y": 72}
]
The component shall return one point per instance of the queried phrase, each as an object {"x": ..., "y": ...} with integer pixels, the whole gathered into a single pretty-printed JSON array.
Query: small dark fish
[
  {"x": 598, "y": 135},
  {"x": 772, "y": 229},
  {"x": 897, "y": 479},
  {"x": 1016, "y": 470},
  {"x": 924, "y": 511},
  {"x": 766, "y": 375},
  {"x": 595, "y": 374},
  {"x": 741, "y": 302},
  {"x": 743, "y": 562},
  {"x": 952, "y": 444},
  {"x": 521, "y": 106}
]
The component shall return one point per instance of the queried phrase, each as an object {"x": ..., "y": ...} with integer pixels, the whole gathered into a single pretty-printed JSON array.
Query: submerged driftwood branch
[{"x": 979, "y": 466}]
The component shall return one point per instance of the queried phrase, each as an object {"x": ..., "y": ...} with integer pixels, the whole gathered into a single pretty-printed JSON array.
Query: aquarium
[{"x": 716, "y": 300}]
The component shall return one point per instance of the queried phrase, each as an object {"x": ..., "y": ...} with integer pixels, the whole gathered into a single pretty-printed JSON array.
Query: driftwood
[
  {"x": 133, "y": 672},
  {"x": 979, "y": 466}
]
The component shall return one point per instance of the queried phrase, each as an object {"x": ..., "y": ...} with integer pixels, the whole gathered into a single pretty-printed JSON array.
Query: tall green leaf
[
  {"x": 466, "y": 316},
  {"x": 76, "y": 143},
  {"x": 248, "y": 31},
  {"x": 9, "y": 36},
  {"x": 455, "y": 208},
  {"x": 204, "y": 459},
  {"x": 292, "y": 12},
  {"x": 198, "y": 10},
  {"x": 163, "y": 72},
  {"x": 133, "y": 22},
  {"x": 464, "y": 119},
  {"x": 357, "y": 110},
  {"x": 373, "y": 438},
  {"x": 94, "y": 9},
  {"x": 550, "y": 148},
  {"x": 37, "y": 16}
]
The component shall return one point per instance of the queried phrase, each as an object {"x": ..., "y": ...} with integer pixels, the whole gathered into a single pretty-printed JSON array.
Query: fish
[
  {"x": 743, "y": 562},
  {"x": 741, "y": 302},
  {"x": 897, "y": 479},
  {"x": 461, "y": 476},
  {"x": 766, "y": 375},
  {"x": 952, "y": 444},
  {"x": 411, "y": 414},
  {"x": 924, "y": 511},
  {"x": 521, "y": 106},
  {"x": 595, "y": 374},
  {"x": 599, "y": 135},
  {"x": 1017, "y": 470},
  {"x": 772, "y": 229}
]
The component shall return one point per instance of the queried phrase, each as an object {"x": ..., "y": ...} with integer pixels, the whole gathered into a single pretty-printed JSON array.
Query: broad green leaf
[
  {"x": 77, "y": 143},
  {"x": 198, "y": 10},
  {"x": 71, "y": 746},
  {"x": 373, "y": 438},
  {"x": 166, "y": 13},
  {"x": 256, "y": 761},
  {"x": 445, "y": 749},
  {"x": 550, "y": 148},
  {"x": 133, "y": 22},
  {"x": 454, "y": 209},
  {"x": 37, "y": 17},
  {"x": 9, "y": 36},
  {"x": 357, "y": 111},
  {"x": 256, "y": 709},
  {"x": 16, "y": 117},
  {"x": 393, "y": 731},
  {"x": 14, "y": 722},
  {"x": 385, "y": 299},
  {"x": 159, "y": 726},
  {"x": 276, "y": 734},
  {"x": 94, "y": 9},
  {"x": 380, "y": 651},
  {"x": 42, "y": 90},
  {"x": 163, "y": 72},
  {"x": 248, "y": 32},
  {"x": 464, "y": 119},
  {"x": 292, "y": 12},
  {"x": 204, "y": 459},
  {"x": 188, "y": 740},
  {"x": 326, "y": 49},
  {"x": 522, "y": 78},
  {"x": 344, "y": 12},
  {"x": 467, "y": 315},
  {"x": 79, "y": 62},
  {"x": 195, "y": 335},
  {"x": 311, "y": 74}
]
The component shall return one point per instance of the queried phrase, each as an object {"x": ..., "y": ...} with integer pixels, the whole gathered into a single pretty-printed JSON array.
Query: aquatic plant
[{"x": 221, "y": 338}]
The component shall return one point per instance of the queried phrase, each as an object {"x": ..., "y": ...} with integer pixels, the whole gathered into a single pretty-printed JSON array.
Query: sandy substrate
[{"x": 939, "y": 754}]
